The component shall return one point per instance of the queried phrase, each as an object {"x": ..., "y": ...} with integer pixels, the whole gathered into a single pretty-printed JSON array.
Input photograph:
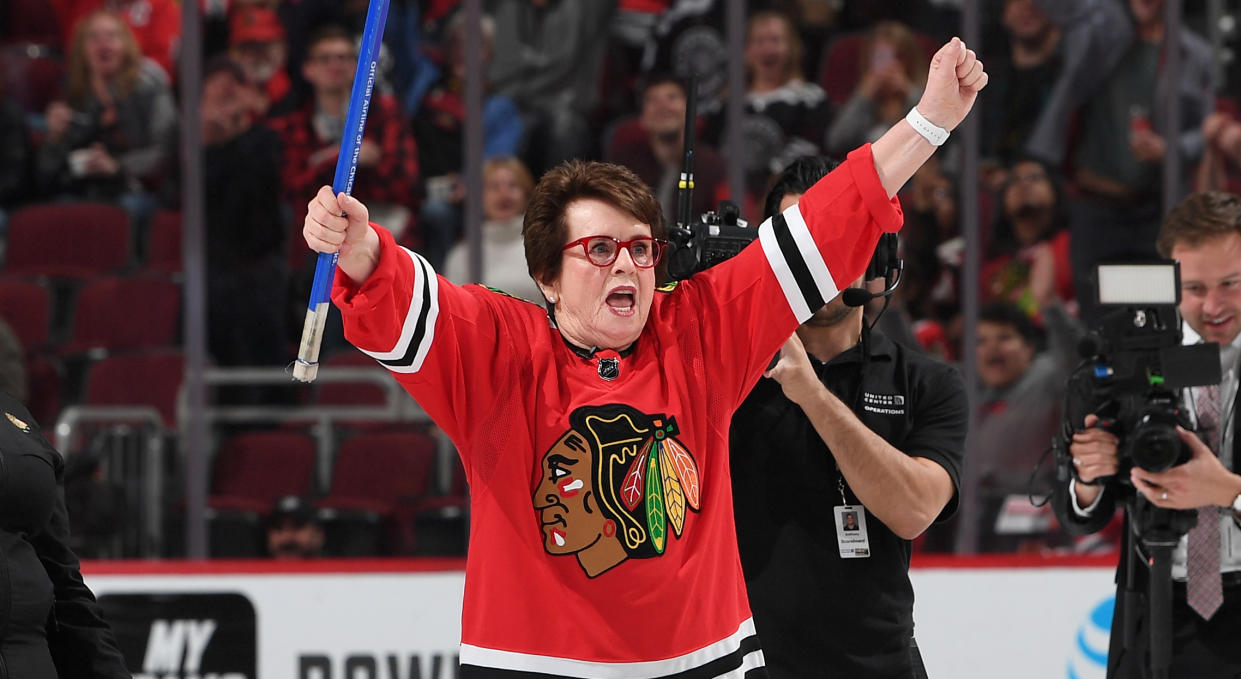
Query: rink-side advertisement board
[
  {"x": 320, "y": 620},
  {"x": 400, "y": 619}
]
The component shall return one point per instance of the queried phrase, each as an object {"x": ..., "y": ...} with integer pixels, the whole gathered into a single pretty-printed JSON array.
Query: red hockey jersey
[{"x": 602, "y": 541}]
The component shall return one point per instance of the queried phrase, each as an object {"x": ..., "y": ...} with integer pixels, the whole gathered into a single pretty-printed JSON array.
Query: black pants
[
  {"x": 915, "y": 657},
  {"x": 1201, "y": 649}
]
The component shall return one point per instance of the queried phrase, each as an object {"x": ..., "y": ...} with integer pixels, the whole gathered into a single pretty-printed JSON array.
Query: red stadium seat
[
  {"x": 33, "y": 20},
  {"x": 164, "y": 243},
  {"x": 621, "y": 134},
  {"x": 255, "y": 469},
  {"x": 31, "y": 74},
  {"x": 361, "y": 393},
  {"x": 27, "y": 308},
  {"x": 841, "y": 67},
  {"x": 380, "y": 470},
  {"x": 628, "y": 131},
  {"x": 73, "y": 240},
  {"x": 151, "y": 379},
  {"x": 116, "y": 314},
  {"x": 839, "y": 72},
  {"x": 349, "y": 393},
  {"x": 252, "y": 471},
  {"x": 441, "y": 524},
  {"x": 384, "y": 476},
  {"x": 43, "y": 377}
]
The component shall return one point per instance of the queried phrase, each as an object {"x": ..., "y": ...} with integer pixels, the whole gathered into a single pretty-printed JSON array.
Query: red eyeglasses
[{"x": 603, "y": 250}]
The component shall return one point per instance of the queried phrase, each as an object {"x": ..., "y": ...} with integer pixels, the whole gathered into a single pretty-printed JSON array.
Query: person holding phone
[{"x": 893, "y": 75}]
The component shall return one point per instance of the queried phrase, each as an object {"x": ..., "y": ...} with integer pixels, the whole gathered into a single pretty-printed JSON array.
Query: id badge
[{"x": 851, "y": 531}]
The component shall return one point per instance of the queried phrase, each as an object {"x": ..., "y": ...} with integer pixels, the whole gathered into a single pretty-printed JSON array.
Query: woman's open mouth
[{"x": 621, "y": 301}]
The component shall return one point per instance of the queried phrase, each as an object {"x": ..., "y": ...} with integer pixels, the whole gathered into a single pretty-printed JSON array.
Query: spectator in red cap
[{"x": 257, "y": 43}]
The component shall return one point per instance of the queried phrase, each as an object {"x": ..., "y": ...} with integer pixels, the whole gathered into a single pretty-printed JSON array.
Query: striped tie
[{"x": 1203, "y": 588}]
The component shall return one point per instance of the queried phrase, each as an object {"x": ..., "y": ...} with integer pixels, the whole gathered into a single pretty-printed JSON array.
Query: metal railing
[
  {"x": 398, "y": 407},
  {"x": 133, "y": 459},
  {"x": 134, "y": 452}
]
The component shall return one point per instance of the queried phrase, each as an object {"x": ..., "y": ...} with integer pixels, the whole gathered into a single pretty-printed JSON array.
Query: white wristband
[{"x": 933, "y": 133}]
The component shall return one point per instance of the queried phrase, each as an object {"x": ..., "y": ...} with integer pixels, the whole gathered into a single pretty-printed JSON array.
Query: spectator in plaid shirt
[{"x": 311, "y": 133}]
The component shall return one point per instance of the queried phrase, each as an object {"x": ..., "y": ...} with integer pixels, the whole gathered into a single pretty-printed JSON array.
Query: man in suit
[{"x": 1203, "y": 233}]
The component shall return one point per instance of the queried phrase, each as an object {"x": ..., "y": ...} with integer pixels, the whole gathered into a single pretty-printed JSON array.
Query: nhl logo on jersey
[
  {"x": 613, "y": 487},
  {"x": 609, "y": 368}
]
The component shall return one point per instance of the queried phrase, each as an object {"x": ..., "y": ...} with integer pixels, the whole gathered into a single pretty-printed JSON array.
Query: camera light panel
[{"x": 1155, "y": 283}]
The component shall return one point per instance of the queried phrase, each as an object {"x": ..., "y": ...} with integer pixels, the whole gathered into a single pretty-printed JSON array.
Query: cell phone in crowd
[
  {"x": 881, "y": 55},
  {"x": 441, "y": 188},
  {"x": 78, "y": 160}
]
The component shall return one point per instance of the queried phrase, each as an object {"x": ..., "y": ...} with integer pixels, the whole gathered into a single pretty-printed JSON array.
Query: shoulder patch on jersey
[
  {"x": 631, "y": 467},
  {"x": 498, "y": 291}
]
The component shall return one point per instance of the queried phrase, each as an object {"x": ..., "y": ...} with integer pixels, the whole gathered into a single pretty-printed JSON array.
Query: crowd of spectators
[{"x": 1073, "y": 135}]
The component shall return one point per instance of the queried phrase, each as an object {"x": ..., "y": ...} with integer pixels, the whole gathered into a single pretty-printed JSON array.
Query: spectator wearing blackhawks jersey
[{"x": 593, "y": 434}]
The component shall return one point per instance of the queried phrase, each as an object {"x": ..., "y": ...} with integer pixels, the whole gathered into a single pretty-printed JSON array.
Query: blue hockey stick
[{"x": 307, "y": 366}]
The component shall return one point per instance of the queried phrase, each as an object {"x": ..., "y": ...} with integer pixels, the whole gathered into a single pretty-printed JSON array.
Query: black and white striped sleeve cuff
[
  {"x": 418, "y": 329},
  {"x": 797, "y": 263}
]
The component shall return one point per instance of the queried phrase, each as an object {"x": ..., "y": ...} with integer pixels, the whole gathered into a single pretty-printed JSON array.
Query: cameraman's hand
[
  {"x": 795, "y": 374},
  {"x": 1201, "y": 482},
  {"x": 1095, "y": 455},
  {"x": 1095, "y": 451}
]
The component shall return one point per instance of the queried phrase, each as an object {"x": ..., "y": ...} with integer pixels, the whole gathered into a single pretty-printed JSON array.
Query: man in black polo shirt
[{"x": 860, "y": 425}]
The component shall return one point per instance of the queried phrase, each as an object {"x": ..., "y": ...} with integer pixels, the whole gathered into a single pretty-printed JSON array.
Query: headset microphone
[
  {"x": 857, "y": 296},
  {"x": 885, "y": 264}
]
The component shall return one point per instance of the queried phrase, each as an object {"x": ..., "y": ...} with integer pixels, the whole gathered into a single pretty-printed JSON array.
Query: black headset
[{"x": 887, "y": 264}]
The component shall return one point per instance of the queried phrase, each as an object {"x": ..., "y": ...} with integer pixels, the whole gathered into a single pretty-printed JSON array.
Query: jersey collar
[{"x": 590, "y": 353}]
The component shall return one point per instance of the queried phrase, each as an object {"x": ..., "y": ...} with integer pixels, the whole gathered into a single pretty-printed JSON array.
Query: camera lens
[
  {"x": 1155, "y": 449},
  {"x": 1154, "y": 444}
]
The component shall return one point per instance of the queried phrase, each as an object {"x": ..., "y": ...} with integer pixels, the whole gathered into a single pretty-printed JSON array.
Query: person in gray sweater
[
  {"x": 1115, "y": 84},
  {"x": 111, "y": 138},
  {"x": 548, "y": 59},
  {"x": 1017, "y": 414}
]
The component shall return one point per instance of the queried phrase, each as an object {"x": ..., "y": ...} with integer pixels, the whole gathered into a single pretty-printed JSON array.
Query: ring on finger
[{"x": 1164, "y": 496}]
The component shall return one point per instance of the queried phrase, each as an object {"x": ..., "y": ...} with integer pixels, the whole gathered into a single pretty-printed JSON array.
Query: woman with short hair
[{"x": 597, "y": 429}]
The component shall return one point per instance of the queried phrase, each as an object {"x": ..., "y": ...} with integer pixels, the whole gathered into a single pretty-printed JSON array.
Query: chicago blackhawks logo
[{"x": 613, "y": 485}]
